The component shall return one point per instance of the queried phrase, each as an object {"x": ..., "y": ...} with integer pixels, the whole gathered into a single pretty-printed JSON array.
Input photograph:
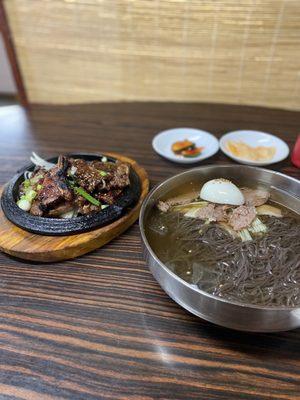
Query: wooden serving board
[{"x": 29, "y": 246}]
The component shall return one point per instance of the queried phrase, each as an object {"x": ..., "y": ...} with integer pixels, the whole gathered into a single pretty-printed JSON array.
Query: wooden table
[{"x": 99, "y": 326}]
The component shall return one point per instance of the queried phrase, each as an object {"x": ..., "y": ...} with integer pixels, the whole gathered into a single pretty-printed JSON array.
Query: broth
[{"x": 264, "y": 271}]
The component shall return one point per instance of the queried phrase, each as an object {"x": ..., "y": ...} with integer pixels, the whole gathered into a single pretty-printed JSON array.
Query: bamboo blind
[{"x": 78, "y": 51}]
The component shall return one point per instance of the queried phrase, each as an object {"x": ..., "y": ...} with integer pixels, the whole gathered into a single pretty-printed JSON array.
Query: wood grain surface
[
  {"x": 85, "y": 51},
  {"x": 99, "y": 326},
  {"x": 22, "y": 244}
]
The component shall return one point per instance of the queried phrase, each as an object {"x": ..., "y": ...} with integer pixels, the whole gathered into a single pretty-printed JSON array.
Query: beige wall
[
  {"x": 7, "y": 84},
  {"x": 244, "y": 52}
]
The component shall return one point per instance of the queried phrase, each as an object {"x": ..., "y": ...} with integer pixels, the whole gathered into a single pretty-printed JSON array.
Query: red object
[
  {"x": 192, "y": 152},
  {"x": 296, "y": 153}
]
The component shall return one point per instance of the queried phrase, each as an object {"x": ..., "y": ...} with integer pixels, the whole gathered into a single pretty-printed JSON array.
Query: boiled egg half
[{"x": 222, "y": 191}]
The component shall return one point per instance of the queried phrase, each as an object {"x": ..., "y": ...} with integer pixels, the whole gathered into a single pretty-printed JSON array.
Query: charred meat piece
[
  {"x": 120, "y": 176},
  {"x": 35, "y": 209},
  {"x": 103, "y": 166},
  {"x": 111, "y": 168},
  {"x": 88, "y": 208},
  {"x": 242, "y": 217},
  {"x": 98, "y": 176},
  {"x": 52, "y": 193},
  {"x": 84, "y": 206},
  {"x": 117, "y": 173},
  {"x": 110, "y": 196},
  {"x": 61, "y": 209},
  {"x": 55, "y": 188},
  {"x": 86, "y": 175},
  {"x": 255, "y": 197},
  {"x": 74, "y": 184}
]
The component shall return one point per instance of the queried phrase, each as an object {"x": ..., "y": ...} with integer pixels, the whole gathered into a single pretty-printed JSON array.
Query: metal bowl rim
[{"x": 176, "y": 277}]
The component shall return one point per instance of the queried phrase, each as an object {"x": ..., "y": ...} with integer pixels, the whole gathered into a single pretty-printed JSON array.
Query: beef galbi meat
[
  {"x": 87, "y": 176},
  {"x": 54, "y": 189},
  {"x": 105, "y": 180},
  {"x": 58, "y": 189},
  {"x": 61, "y": 209},
  {"x": 120, "y": 176},
  {"x": 35, "y": 209},
  {"x": 109, "y": 197},
  {"x": 107, "y": 166},
  {"x": 84, "y": 207},
  {"x": 100, "y": 175}
]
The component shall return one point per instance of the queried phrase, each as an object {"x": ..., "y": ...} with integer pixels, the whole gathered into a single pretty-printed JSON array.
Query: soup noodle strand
[{"x": 265, "y": 271}]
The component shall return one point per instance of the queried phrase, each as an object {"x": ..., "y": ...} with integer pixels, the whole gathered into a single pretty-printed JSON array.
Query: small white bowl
[
  {"x": 254, "y": 139},
  {"x": 163, "y": 141}
]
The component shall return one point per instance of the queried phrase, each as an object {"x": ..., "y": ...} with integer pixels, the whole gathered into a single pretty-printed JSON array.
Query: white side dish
[
  {"x": 255, "y": 139},
  {"x": 162, "y": 144}
]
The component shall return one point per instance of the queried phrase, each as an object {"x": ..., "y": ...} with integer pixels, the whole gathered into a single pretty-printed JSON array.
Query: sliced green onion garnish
[
  {"x": 24, "y": 204},
  {"x": 26, "y": 184},
  {"x": 102, "y": 173},
  {"x": 71, "y": 183},
  {"x": 39, "y": 187},
  {"x": 30, "y": 195},
  {"x": 87, "y": 196},
  {"x": 35, "y": 179}
]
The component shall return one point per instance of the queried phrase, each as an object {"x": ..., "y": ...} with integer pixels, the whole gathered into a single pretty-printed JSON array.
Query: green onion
[
  {"x": 71, "y": 183},
  {"x": 39, "y": 187},
  {"x": 35, "y": 179},
  {"x": 30, "y": 195},
  {"x": 83, "y": 193},
  {"x": 24, "y": 204},
  {"x": 26, "y": 200},
  {"x": 102, "y": 173},
  {"x": 87, "y": 196},
  {"x": 26, "y": 184}
]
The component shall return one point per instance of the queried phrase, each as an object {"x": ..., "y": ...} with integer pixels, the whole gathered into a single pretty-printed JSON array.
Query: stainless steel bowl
[{"x": 245, "y": 317}]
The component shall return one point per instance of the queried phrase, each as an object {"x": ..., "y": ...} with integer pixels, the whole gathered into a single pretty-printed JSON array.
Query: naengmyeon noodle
[{"x": 264, "y": 271}]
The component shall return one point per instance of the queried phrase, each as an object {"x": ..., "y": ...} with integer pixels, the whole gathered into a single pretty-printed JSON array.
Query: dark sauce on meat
[{"x": 75, "y": 185}]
